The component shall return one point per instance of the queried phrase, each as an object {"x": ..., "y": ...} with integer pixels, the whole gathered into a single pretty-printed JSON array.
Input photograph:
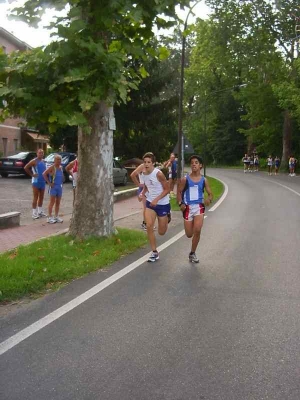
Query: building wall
[
  {"x": 10, "y": 133},
  {"x": 7, "y": 46}
]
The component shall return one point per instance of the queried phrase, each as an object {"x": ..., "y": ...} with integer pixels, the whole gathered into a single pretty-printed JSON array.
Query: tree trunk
[
  {"x": 286, "y": 138},
  {"x": 93, "y": 208}
]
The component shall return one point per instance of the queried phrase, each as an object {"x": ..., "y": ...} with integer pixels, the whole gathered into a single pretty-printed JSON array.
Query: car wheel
[
  {"x": 4, "y": 174},
  {"x": 125, "y": 180}
]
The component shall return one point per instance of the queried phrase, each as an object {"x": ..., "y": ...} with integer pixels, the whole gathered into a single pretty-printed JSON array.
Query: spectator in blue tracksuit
[
  {"x": 55, "y": 173},
  {"x": 35, "y": 169}
]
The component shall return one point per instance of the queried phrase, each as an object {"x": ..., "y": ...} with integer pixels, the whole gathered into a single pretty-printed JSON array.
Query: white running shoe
[
  {"x": 153, "y": 256},
  {"x": 35, "y": 216},
  {"x": 193, "y": 258},
  {"x": 57, "y": 219},
  {"x": 51, "y": 220},
  {"x": 42, "y": 214}
]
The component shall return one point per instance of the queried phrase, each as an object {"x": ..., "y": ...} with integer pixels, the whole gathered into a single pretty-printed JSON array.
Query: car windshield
[
  {"x": 20, "y": 155},
  {"x": 50, "y": 158}
]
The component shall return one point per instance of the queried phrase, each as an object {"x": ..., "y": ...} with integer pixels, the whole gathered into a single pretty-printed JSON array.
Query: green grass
[
  {"x": 50, "y": 263},
  {"x": 216, "y": 187}
]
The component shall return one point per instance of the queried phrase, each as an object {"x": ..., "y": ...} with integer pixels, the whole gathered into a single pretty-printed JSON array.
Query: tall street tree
[{"x": 77, "y": 79}]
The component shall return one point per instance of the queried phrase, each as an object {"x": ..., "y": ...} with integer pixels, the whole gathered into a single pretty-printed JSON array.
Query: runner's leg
[{"x": 150, "y": 217}]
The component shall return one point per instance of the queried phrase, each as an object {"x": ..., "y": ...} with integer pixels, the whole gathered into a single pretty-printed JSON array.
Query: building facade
[{"x": 12, "y": 137}]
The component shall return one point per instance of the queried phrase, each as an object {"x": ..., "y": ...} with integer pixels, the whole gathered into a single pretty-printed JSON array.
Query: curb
[{"x": 124, "y": 194}]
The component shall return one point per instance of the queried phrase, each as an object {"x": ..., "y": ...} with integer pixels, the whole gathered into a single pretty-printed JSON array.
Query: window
[
  {"x": 15, "y": 144},
  {"x": 4, "y": 143}
]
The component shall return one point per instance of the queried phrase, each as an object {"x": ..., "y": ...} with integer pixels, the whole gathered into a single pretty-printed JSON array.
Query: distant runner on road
[
  {"x": 35, "y": 169},
  {"x": 157, "y": 203},
  {"x": 190, "y": 197}
]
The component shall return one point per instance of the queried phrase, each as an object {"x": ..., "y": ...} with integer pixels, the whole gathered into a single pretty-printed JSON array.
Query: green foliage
[
  {"x": 245, "y": 42},
  {"x": 62, "y": 83},
  {"x": 35, "y": 268},
  {"x": 149, "y": 121}
]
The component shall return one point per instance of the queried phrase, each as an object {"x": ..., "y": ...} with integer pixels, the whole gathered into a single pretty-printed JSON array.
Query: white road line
[
  {"x": 222, "y": 198},
  {"x": 284, "y": 186},
  {"x": 48, "y": 319}
]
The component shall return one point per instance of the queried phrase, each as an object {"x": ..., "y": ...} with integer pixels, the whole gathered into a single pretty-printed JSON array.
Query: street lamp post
[
  {"x": 205, "y": 124},
  {"x": 180, "y": 166}
]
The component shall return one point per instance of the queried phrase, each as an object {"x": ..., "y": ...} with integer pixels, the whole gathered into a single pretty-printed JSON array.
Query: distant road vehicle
[
  {"x": 14, "y": 165},
  {"x": 66, "y": 158}
]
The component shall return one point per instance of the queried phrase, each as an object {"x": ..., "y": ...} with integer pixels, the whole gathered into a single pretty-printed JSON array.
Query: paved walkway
[{"x": 126, "y": 213}]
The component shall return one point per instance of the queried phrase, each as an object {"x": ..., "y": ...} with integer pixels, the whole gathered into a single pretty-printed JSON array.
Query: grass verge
[
  {"x": 216, "y": 187},
  {"x": 50, "y": 263}
]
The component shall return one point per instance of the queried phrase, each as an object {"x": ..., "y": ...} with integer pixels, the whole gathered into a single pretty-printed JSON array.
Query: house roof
[
  {"x": 13, "y": 39},
  {"x": 38, "y": 138}
]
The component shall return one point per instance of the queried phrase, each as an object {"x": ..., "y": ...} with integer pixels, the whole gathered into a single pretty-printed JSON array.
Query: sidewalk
[{"x": 128, "y": 212}]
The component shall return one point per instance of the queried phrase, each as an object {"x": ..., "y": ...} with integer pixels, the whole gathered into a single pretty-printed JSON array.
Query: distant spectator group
[{"x": 251, "y": 164}]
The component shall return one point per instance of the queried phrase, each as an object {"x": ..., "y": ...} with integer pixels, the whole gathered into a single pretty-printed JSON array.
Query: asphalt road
[{"x": 227, "y": 328}]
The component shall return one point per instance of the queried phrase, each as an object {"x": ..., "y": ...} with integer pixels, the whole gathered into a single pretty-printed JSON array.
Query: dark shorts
[
  {"x": 174, "y": 175},
  {"x": 39, "y": 185},
  {"x": 162, "y": 210},
  {"x": 56, "y": 191}
]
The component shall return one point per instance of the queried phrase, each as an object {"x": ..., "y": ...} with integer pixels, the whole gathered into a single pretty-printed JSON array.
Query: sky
[{"x": 41, "y": 36}]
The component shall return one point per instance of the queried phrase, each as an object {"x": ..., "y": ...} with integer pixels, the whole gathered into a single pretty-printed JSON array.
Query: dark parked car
[
  {"x": 66, "y": 158},
  {"x": 15, "y": 164}
]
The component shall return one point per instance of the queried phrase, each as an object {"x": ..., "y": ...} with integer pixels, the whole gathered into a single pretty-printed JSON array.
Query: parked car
[
  {"x": 15, "y": 164},
  {"x": 66, "y": 158},
  {"x": 120, "y": 174}
]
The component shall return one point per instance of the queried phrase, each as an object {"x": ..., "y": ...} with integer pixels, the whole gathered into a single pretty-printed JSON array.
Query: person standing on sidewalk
[
  {"x": 171, "y": 164},
  {"x": 270, "y": 164},
  {"x": 72, "y": 168},
  {"x": 55, "y": 188},
  {"x": 157, "y": 202},
  {"x": 190, "y": 197},
  {"x": 35, "y": 169},
  {"x": 277, "y": 164}
]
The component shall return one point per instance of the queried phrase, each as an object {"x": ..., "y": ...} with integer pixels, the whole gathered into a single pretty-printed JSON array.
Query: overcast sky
[{"x": 41, "y": 36}]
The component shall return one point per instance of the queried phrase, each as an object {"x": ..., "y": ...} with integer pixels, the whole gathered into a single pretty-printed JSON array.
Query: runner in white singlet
[{"x": 156, "y": 189}]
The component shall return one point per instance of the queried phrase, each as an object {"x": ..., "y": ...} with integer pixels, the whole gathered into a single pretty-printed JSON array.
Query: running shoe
[
  {"x": 144, "y": 226},
  {"x": 193, "y": 258},
  {"x": 42, "y": 214},
  {"x": 35, "y": 216},
  {"x": 57, "y": 219},
  {"x": 51, "y": 220},
  {"x": 153, "y": 256}
]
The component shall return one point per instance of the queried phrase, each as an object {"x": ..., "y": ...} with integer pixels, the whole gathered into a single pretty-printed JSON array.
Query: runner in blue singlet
[
  {"x": 55, "y": 188},
  {"x": 35, "y": 169},
  {"x": 190, "y": 196}
]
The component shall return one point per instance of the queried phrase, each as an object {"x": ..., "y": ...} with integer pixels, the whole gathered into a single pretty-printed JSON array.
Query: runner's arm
[
  {"x": 180, "y": 188},
  {"x": 209, "y": 192},
  {"x": 166, "y": 187},
  {"x": 70, "y": 166},
  {"x": 46, "y": 173},
  {"x": 28, "y": 166},
  {"x": 134, "y": 175}
]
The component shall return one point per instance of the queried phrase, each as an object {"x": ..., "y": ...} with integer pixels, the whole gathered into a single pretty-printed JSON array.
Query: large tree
[{"x": 77, "y": 79}]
